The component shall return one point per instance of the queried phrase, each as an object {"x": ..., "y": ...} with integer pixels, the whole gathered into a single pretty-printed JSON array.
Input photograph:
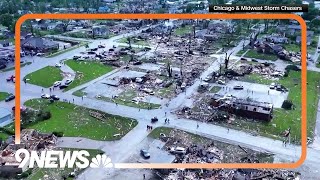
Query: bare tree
[
  {"x": 226, "y": 60},
  {"x": 169, "y": 69}
]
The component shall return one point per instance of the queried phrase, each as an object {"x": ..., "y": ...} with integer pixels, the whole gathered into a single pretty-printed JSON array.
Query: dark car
[
  {"x": 63, "y": 86},
  {"x": 3, "y": 66},
  {"x": 54, "y": 97},
  {"x": 10, "y": 98},
  {"x": 254, "y": 60},
  {"x": 243, "y": 59},
  {"x": 238, "y": 87},
  {"x": 145, "y": 154}
]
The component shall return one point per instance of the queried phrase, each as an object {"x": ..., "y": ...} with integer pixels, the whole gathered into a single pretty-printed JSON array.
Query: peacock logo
[{"x": 101, "y": 161}]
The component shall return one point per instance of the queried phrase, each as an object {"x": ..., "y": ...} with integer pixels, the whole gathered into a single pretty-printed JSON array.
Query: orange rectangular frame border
[{"x": 180, "y": 16}]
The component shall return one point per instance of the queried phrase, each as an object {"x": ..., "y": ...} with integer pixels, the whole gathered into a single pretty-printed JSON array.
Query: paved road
[{"x": 120, "y": 150}]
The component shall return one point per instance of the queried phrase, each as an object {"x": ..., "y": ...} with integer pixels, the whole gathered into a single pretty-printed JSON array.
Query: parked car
[
  {"x": 45, "y": 96},
  {"x": 243, "y": 59},
  {"x": 207, "y": 79},
  {"x": 68, "y": 81},
  {"x": 101, "y": 46},
  {"x": 221, "y": 82},
  {"x": 3, "y": 66},
  {"x": 254, "y": 60},
  {"x": 58, "y": 65},
  {"x": 9, "y": 98},
  {"x": 63, "y": 86},
  {"x": 76, "y": 57},
  {"x": 238, "y": 87},
  {"x": 272, "y": 85},
  {"x": 145, "y": 154},
  {"x": 39, "y": 54},
  {"x": 178, "y": 150},
  {"x": 57, "y": 83},
  {"x": 54, "y": 97}
]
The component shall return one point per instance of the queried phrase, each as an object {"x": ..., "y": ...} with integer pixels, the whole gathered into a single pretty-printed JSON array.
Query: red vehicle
[{"x": 11, "y": 78}]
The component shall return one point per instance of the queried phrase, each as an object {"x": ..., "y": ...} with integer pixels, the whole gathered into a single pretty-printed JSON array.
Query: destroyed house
[{"x": 243, "y": 107}]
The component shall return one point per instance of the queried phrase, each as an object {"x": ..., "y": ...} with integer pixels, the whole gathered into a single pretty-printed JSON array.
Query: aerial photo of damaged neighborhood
[{"x": 159, "y": 91}]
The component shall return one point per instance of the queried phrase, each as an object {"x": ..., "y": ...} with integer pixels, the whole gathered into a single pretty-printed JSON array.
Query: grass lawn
[
  {"x": 256, "y": 78},
  {"x": 75, "y": 121},
  {"x": 215, "y": 89},
  {"x": 3, "y": 95},
  {"x": 3, "y": 136},
  {"x": 79, "y": 93},
  {"x": 293, "y": 47},
  {"x": 125, "y": 98},
  {"x": 166, "y": 92},
  {"x": 133, "y": 41},
  {"x": 45, "y": 77},
  {"x": 254, "y": 54},
  {"x": 21, "y": 65},
  {"x": 86, "y": 71},
  {"x": 283, "y": 119},
  {"x": 241, "y": 52},
  {"x": 55, "y": 173},
  {"x": 66, "y": 50},
  {"x": 183, "y": 30}
]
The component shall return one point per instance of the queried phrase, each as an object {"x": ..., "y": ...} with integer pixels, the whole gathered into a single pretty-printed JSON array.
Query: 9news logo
[{"x": 61, "y": 159}]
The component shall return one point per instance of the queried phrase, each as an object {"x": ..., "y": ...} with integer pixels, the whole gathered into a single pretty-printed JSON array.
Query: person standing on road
[
  {"x": 197, "y": 125},
  {"x": 144, "y": 176}
]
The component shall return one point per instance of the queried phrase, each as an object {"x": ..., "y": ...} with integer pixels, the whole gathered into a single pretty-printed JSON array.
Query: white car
[
  {"x": 58, "y": 65},
  {"x": 178, "y": 150},
  {"x": 221, "y": 82},
  {"x": 39, "y": 54},
  {"x": 45, "y": 96},
  {"x": 272, "y": 85},
  {"x": 57, "y": 83},
  {"x": 68, "y": 81}
]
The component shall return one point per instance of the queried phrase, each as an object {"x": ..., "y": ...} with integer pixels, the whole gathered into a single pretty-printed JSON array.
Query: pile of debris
[
  {"x": 31, "y": 140},
  {"x": 233, "y": 174}
]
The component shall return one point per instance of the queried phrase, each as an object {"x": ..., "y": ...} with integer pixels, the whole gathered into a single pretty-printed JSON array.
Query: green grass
[
  {"x": 215, "y": 89},
  {"x": 133, "y": 41},
  {"x": 125, "y": 98},
  {"x": 256, "y": 78},
  {"x": 166, "y": 92},
  {"x": 21, "y": 65},
  {"x": 293, "y": 47},
  {"x": 241, "y": 52},
  {"x": 3, "y": 136},
  {"x": 183, "y": 30},
  {"x": 155, "y": 134},
  {"x": 3, "y": 95},
  {"x": 254, "y": 54},
  {"x": 57, "y": 173},
  {"x": 86, "y": 71},
  {"x": 75, "y": 121},
  {"x": 79, "y": 93},
  {"x": 66, "y": 50},
  {"x": 45, "y": 77},
  {"x": 283, "y": 119}
]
